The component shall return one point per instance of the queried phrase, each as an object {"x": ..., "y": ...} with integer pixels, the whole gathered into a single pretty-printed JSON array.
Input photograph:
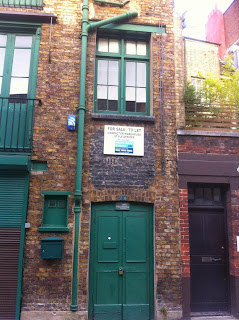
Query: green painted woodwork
[
  {"x": 121, "y": 240},
  {"x": 14, "y": 187},
  {"x": 17, "y": 114},
  {"x": 55, "y": 193},
  {"x": 38, "y": 165},
  {"x": 86, "y": 27},
  {"x": 134, "y": 28},
  {"x": 14, "y": 162},
  {"x": 55, "y": 211},
  {"x": 52, "y": 248},
  {"x": 122, "y": 58},
  {"x": 22, "y": 3}
]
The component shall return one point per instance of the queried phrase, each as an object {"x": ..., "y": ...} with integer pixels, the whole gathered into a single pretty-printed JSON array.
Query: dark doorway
[{"x": 208, "y": 250}]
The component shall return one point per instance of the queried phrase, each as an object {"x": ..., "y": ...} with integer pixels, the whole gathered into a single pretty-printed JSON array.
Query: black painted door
[{"x": 209, "y": 263}]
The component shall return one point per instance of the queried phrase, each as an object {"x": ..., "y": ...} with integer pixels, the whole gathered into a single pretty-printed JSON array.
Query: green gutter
[
  {"x": 117, "y": 4},
  {"x": 80, "y": 141}
]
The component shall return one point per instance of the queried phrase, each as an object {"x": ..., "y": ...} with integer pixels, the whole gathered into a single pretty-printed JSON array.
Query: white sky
[{"x": 197, "y": 13}]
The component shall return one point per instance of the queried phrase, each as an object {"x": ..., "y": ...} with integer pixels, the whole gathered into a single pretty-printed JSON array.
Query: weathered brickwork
[
  {"x": 231, "y": 29},
  {"x": 46, "y": 284},
  {"x": 184, "y": 231},
  {"x": 201, "y": 57},
  {"x": 208, "y": 145},
  {"x": 121, "y": 171},
  {"x": 233, "y": 233}
]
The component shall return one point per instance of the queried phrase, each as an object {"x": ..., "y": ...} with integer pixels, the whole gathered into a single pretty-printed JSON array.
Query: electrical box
[{"x": 52, "y": 248}]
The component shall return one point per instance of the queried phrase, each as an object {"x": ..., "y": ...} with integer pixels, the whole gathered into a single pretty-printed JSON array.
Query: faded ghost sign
[{"x": 119, "y": 140}]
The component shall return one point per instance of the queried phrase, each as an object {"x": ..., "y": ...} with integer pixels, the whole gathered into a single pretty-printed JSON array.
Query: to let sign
[{"x": 122, "y": 140}]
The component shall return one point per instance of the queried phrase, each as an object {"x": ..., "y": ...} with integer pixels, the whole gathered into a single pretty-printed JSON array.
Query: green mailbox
[{"x": 52, "y": 248}]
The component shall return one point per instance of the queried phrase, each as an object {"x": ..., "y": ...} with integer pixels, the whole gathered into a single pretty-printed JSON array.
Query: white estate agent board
[{"x": 119, "y": 140}]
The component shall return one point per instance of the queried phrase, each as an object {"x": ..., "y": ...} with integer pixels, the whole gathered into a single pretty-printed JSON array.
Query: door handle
[
  {"x": 121, "y": 271},
  {"x": 214, "y": 259}
]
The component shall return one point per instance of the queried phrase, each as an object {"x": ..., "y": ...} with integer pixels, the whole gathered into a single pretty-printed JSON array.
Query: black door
[{"x": 209, "y": 262}]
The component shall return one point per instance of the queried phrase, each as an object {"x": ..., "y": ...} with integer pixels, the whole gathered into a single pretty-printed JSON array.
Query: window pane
[
  {"x": 130, "y": 47},
  {"x": 101, "y": 92},
  {"x": 113, "y": 93},
  {"x": 113, "y": 73},
  {"x": 141, "y": 95},
  {"x": 130, "y": 106},
  {"x": 103, "y": 45},
  {"x": 113, "y": 45},
  {"x": 140, "y": 107},
  {"x": 23, "y": 41},
  {"x": 101, "y": 105},
  {"x": 141, "y": 74},
  {"x": 3, "y": 40},
  {"x": 0, "y": 84},
  {"x": 2, "y": 57},
  {"x": 130, "y": 94},
  {"x": 19, "y": 86},
  {"x": 130, "y": 74},
  {"x": 141, "y": 48},
  {"x": 102, "y": 71},
  {"x": 21, "y": 62},
  {"x": 113, "y": 105}
]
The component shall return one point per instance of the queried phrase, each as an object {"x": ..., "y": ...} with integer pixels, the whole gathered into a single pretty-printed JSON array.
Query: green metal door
[{"x": 121, "y": 263}]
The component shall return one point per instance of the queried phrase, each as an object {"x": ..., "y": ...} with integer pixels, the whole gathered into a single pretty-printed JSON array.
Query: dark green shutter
[
  {"x": 13, "y": 204},
  {"x": 12, "y": 199}
]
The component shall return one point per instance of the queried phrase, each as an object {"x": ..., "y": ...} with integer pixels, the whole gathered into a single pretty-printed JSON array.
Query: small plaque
[
  {"x": 27, "y": 225},
  {"x": 206, "y": 259},
  {"x": 122, "y": 206}
]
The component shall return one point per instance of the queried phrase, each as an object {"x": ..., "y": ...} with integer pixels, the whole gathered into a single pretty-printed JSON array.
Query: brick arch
[{"x": 115, "y": 194}]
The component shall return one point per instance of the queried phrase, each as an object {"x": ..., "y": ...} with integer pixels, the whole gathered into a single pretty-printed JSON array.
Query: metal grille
[
  {"x": 16, "y": 124},
  {"x": 9, "y": 256},
  {"x": 34, "y": 4}
]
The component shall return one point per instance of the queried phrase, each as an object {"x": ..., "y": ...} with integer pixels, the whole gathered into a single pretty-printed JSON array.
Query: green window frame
[
  {"x": 55, "y": 211},
  {"x": 35, "y": 4},
  {"x": 18, "y": 62},
  {"x": 122, "y": 75}
]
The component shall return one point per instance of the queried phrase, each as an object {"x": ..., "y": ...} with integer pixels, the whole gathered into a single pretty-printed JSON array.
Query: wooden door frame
[
  {"x": 183, "y": 185},
  {"x": 92, "y": 253}
]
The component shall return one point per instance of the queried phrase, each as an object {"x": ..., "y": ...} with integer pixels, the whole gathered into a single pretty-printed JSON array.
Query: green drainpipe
[{"x": 80, "y": 138}]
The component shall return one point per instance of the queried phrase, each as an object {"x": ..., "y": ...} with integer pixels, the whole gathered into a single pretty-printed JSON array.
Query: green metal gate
[
  {"x": 121, "y": 262},
  {"x": 13, "y": 205}
]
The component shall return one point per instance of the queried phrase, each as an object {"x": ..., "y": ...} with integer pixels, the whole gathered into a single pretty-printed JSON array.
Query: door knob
[{"x": 121, "y": 271}]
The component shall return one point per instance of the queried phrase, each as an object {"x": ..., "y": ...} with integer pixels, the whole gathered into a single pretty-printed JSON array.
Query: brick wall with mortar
[
  {"x": 47, "y": 285},
  {"x": 231, "y": 23},
  {"x": 201, "y": 56}
]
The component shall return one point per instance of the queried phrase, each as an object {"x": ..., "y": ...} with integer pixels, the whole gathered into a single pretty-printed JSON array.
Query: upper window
[
  {"x": 122, "y": 76},
  {"x": 15, "y": 58},
  {"x": 35, "y": 4}
]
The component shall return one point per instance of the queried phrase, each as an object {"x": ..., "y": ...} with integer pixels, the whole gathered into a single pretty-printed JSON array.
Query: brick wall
[
  {"x": 231, "y": 23},
  {"x": 215, "y": 31},
  {"x": 201, "y": 56},
  {"x": 47, "y": 285},
  {"x": 184, "y": 232}
]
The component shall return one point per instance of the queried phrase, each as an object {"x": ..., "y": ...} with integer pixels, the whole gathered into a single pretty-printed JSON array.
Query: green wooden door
[{"x": 121, "y": 264}]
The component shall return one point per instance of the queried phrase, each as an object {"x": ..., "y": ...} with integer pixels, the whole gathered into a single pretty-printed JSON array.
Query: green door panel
[
  {"x": 136, "y": 288},
  {"x": 136, "y": 238},
  {"x": 107, "y": 284},
  {"x": 107, "y": 312},
  {"x": 136, "y": 311},
  {"x": 121, "y": 240},
  {"x": 108, "y": 237}
]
